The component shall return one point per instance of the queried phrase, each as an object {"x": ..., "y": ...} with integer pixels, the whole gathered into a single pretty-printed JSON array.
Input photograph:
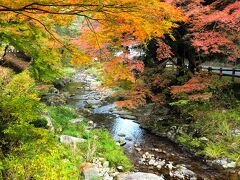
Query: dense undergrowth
[
  {"x": 28, "y": 149},
  {"x": 213, "y": 113}
]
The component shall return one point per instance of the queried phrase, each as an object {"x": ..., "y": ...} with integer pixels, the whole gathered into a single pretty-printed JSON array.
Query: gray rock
[
  {"x": 55, "y": 99},
  {"x": 236, "y": 132},
  {"x": 151, "y": 162},
  {"x": 91, "y": 173},
  {"x": 222, "y": 162},
  {"x": 138, "y": 149},
  {"x": 120, "y": 168},
  {"x": 204, "y": 139},
  {"x": 65, "y": 139},
  {"x": 76, "y": 121},
  {"x": 121, "y": 134},
  {"x": 53, "y": 90},
  {"x": 170, "y": 165},
  {"x": 128, "y": 139},
  {"x": 136, "y": 145},
  {"x": 90, "y": 123},
  {"x": 161, "y": 162},
  {"x": 230, "y": 165},
  {"x": 93, "y": 102},
  {"x": 139, "y": 176},
  {"x": 183, "y": 172},
  {"x": 106, "y": 164},
  {"x": 125, "y": 116}
]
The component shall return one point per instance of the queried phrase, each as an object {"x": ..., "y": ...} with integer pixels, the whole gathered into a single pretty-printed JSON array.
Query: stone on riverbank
[
  {"x": 224, "y": 163},
  {"x": 90, "y": 171},
  {"x": 76, "y": 121},
  {"x": 65, "y": 139},
  {"x": 139, "y": 176},
  {"x": 128, "y": 117},
  {"x": 121, "y": 134}
]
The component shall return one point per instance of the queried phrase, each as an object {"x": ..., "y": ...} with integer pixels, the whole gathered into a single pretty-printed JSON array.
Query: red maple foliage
[
  {"x": 213, "y": 26},
  {"x": 136, "y": 96},
  {"x": 195, "y": 84},
  {"x": 164, "y": 51},
  {"x": 199, "y": 96}
]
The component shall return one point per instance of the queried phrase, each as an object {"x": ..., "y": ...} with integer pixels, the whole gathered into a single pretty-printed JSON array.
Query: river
[{"x": 148, "y": 152}]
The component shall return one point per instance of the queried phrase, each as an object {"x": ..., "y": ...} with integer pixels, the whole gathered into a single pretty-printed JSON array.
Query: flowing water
[{"x": 141, "y": 146}]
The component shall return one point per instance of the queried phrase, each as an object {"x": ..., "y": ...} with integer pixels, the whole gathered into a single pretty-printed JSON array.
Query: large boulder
[
  {"x": 65, "y": 139},
  {"x": 90, "y": 171},
  {"x": 76, "y": 121},
  {"x": 139, "y": 176}
]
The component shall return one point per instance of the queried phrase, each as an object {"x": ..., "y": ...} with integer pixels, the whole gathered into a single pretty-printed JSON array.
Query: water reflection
[
  {"x": 127, "y": 127},
  {"x": 105, "y": 109},
  {"x": 131, "y": 130}
]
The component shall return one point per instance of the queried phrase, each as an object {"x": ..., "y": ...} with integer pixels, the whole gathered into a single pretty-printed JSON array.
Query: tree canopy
[
  {"x": 31, "y": 26},
  {"x": 212, "y": 27}
]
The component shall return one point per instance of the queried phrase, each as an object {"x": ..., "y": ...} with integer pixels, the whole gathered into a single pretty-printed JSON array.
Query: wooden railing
[{"x": 222, "y": 71}]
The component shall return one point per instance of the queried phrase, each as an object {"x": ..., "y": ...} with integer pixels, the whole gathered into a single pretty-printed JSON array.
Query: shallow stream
[{"x": 148, "y": 152}]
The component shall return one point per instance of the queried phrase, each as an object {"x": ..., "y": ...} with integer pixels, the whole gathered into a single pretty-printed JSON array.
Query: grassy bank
[
  {"x": 29, "y": 149},
  {"x": 214, "y": 119},
  {"x": 99, "y": 142}
]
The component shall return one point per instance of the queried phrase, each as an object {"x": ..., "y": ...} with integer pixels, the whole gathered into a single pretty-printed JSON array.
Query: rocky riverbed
[{"x": 149, "y": 153}]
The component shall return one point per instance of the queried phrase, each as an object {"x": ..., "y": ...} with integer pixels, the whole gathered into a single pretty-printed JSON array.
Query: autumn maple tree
[
  {"x": 105, "y": 27},
  {"x": 211, "y": 32},
  {"x": 30, "y": 26}
]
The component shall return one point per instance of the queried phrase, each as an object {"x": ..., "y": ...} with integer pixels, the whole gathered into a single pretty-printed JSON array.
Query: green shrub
[
  {"x": 19, "y": 106},
  {"x": 40, "y": 123},
  {"x": 68, "y": 71},
  {"x": 62, "y": 115},
  {"x": 189, "y": 141},
  {"x": 19, "y": 100},
  {"x": 47, "y": 65},
  {"x": 101, "y": 143},
  {"x": 40, "y": 156}
]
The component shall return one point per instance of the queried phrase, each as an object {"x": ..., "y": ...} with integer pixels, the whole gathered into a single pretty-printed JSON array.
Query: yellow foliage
[
  {"x": 114, "y": 71},
  {"x": 104, "y": 20},
  {"x": 79, "y": 58}
]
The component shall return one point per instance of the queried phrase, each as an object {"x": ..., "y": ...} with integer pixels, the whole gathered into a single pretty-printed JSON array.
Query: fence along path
[{"x": 222, "y": 71}]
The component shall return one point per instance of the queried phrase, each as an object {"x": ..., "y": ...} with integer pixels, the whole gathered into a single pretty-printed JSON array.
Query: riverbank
[
  {"x": 149, "y": 153},
  {"x": 202, "y": 115}
]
